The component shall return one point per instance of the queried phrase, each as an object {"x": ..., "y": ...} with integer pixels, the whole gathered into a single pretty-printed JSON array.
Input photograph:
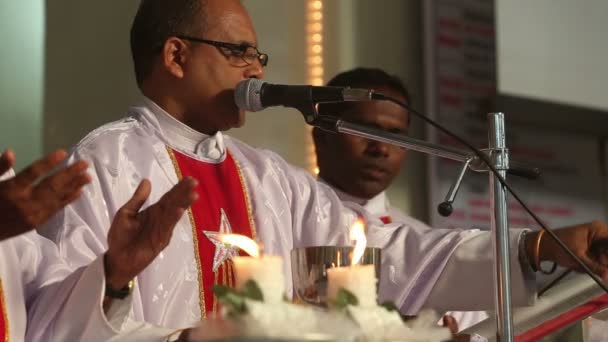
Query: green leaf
[
  {"x": 251, "y": 290},
  {"x": 221, "y": 290},
  {"x": 345, "y": 298},
  {"x": 390, "y": 306},
  {"x": 230, "y": 299},
  {"x": 234, "y": 300}
]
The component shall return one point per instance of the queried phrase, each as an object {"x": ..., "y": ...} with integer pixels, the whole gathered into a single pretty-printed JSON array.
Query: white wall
[
  {"x": 554, "y": 50},
  {"x": 21, "y": 77}
]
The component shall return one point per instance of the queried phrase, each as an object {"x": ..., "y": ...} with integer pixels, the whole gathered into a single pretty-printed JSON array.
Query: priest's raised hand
[
  {"x": 35, "y": 194},
  {"x": 137, "y": 236}
]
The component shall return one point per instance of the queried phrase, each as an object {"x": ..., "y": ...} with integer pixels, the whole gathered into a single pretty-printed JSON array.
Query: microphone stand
[{"x": 498, "y": 154}]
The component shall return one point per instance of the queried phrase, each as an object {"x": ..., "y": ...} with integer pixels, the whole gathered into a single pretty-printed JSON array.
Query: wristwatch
[{"x": 122, "y": 293}]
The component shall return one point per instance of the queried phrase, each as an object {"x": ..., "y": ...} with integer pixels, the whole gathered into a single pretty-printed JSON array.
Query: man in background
[{"x": 360, "y": 170}]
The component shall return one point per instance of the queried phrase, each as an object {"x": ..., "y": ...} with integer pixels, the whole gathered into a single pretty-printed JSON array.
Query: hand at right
[{"x": 588, "y": 241}]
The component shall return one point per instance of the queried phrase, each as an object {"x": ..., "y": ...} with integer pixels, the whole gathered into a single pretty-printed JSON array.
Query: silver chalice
[{"x": 309, "y": 269}]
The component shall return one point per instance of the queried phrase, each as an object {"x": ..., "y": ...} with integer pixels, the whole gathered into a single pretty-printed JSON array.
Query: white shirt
[{"x": 290, "y": 209}]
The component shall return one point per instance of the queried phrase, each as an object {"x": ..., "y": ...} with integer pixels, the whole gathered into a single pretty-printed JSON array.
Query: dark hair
[
  {"x": 155, "y": 22},
  {"x": 362, "y": 78}
]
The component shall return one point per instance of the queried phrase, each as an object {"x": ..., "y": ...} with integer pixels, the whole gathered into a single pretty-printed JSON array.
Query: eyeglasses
[{"x": 238, "y": 53}]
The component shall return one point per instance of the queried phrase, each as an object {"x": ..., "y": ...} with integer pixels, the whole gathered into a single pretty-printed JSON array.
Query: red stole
[
  {"x": 386, "y": 219},
  {"x": 3, "y": 316},
  {"x": 223, "y": 207}
]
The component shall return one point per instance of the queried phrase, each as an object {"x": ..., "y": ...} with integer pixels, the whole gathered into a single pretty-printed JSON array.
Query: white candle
[
  {"x": 266, "y": 271},
  {"x": 360, "y": 280}
]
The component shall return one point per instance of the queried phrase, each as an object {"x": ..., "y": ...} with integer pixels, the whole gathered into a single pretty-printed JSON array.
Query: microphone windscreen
[{"x": 247, "y": 95}]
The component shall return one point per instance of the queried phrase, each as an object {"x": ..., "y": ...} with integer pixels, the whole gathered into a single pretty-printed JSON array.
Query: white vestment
[
  {"x": 290, "y": 209},
  {"x": 43, "y": 300},
  {"x": 380, "y": 207}
]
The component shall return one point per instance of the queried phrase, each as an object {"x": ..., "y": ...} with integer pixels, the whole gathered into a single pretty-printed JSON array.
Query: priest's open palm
[
  {"x": 137, "y": 236},
  {"x": 34, "y": 195}
]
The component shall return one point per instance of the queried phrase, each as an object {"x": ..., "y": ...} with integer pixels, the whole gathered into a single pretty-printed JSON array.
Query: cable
[{"x": 483, "y": 157}]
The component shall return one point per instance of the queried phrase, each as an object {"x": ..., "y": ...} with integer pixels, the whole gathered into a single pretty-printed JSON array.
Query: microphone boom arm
[{"x": 336, "y": 125}]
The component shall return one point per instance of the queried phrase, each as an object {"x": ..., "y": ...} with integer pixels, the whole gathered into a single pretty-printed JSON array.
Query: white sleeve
[
  {"x": 80, "y": 229},
  {"x": 421, "y": 266},
  {"x": 467, "y": 281},
  {"x": 445, "y": 269},
  {"x": 72, "y": 310},
  {"x": 318, "y": 217}
]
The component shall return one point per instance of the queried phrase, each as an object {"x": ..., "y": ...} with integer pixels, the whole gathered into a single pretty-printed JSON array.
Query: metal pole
[
  {"x": 423, "y": 146},
  {"x": 402, "y": 141},
  {"x": 500, "y": 228}
]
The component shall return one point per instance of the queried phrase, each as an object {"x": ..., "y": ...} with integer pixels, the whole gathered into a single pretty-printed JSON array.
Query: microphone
[{"x": 253, "y": 95}]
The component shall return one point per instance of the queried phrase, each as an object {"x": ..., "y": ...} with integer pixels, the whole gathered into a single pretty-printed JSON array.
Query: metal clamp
[{"x": 445, "y": 208}]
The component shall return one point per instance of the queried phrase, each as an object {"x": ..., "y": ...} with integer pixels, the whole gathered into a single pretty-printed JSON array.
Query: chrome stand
[{"x": 499, "y": 155}]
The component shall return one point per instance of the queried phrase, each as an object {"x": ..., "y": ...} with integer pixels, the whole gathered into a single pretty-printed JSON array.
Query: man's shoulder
[
  {"x": 265, "y": 160},
  {"x": 110, "y": 133},
  {"x": 129, "y": 138},
  {"x": 252, "y": 153},
  {"x": 401, "y": 217}
]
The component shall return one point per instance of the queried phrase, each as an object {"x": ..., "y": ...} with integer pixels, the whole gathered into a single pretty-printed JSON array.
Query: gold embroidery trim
[
  {"x": 201, "y": 285},
  {"x": 247, "y": 198},
  {"x": 230, "y": 274},
  {"x": 224, "y": 273},
  {"x": 216, "y": 283},
  {"x": 4, "y": 313}
]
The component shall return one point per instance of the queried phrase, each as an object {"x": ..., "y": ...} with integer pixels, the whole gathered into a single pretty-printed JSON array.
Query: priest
[{"x": 189, "y": 55}]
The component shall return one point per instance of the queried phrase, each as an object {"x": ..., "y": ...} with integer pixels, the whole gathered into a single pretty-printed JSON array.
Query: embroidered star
[{"x": 223, "y": 252}]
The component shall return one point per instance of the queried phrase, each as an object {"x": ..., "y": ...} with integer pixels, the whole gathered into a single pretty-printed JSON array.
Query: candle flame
[
  {"x": 242, "y": 242},
  {"x": 357, "y": 233}
]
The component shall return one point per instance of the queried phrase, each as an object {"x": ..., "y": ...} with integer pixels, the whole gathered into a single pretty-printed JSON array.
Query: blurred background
[{"x": 66, "y": 69}]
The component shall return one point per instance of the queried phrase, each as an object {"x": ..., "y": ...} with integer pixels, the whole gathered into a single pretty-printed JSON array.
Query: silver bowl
[{"x": 309, "y": 269}]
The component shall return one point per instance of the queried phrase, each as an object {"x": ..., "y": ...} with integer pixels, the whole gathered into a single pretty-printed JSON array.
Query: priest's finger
[
  {"x": 61, "y": 185},
  {"x": 139, "y": 197},
  {"x": 63, "y": 180},
  {"x": 39, "y": 168},
  {"x": 172, "y": 205},
  {"x": 48, "y": 199},
  {"x": 7, "y": 160},
  {"x": 182, "y": 194}
]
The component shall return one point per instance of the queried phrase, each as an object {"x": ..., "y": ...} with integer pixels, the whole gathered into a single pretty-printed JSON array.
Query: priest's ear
[{"x": 174, "y": 56}]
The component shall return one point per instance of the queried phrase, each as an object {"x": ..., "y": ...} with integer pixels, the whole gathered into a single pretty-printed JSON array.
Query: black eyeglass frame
[{"x": 261, "y": 57}]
